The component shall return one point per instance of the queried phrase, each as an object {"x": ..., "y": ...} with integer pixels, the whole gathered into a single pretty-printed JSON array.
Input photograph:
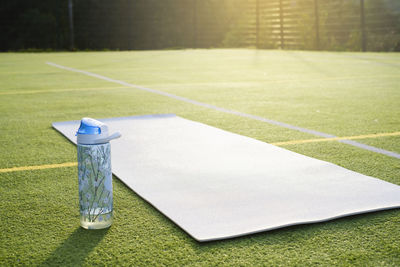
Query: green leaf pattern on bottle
[{"x": 95, "y": 182}]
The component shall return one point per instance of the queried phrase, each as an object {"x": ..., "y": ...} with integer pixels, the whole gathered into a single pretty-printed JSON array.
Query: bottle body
[{"x": 95, "y": 185}]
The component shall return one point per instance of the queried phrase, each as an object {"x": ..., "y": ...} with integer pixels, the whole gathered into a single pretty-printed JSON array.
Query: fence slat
[
  {"x": 362, "y": 18},
  {"x": 281, "y": 23}
]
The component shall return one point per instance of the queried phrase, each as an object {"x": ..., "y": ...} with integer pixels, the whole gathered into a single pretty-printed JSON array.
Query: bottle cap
[{"x": 92, "y": 132}]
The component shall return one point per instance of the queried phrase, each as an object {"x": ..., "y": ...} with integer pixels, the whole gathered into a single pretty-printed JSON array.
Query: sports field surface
[{"x": 307, "y": 102}]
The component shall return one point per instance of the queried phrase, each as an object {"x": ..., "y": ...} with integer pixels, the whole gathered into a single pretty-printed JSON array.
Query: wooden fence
[{"x": 357, "y": 25}]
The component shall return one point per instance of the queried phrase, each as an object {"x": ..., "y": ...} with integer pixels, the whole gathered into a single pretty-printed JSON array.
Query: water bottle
[{"x": 94, "y": 174}]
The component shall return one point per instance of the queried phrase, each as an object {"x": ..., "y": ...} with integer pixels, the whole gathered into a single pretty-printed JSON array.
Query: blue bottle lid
[
  {"x": 92, "y": 132},
  {"x": 90, "y": 126}
]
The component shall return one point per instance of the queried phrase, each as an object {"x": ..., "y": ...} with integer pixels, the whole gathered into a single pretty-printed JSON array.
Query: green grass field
[{"x": 344, "y": 94}]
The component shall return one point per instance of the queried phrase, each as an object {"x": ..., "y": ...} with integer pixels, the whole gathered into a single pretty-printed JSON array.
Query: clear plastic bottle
[{"x": 94, "y": 174}]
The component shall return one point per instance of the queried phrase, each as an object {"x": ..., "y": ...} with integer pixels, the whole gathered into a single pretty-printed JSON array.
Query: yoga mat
[{"x": 216, "y": 184}]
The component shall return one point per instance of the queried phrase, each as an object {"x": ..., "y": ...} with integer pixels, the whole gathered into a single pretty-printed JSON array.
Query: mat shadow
[{"x": 74, "y": 250}]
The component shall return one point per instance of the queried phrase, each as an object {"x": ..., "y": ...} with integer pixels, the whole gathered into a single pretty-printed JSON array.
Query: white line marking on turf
[{"x": 229, "y": 111}]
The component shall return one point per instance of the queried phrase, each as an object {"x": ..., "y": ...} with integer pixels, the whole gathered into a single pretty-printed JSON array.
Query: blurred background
[{"x": 338, "y": 25}]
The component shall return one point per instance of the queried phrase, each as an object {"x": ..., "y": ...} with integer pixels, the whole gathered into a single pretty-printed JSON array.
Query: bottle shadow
[{"x": 74, "y": 250}]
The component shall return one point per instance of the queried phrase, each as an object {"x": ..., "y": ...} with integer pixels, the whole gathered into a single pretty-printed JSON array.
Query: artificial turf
[{"x": 342, "y": 94}]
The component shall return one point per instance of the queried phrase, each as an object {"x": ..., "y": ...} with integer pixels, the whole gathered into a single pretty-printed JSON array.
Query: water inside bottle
[{"x": 99, "y": 221}]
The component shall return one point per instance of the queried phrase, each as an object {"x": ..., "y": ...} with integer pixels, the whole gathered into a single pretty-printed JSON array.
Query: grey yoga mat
[{"x": 216, "y": 184}]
